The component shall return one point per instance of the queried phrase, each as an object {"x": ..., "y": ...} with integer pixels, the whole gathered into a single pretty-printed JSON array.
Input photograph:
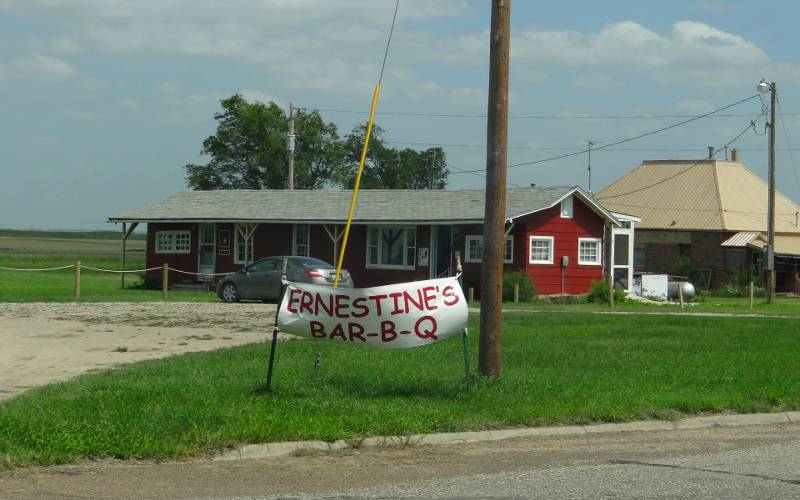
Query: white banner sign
[{"x": 391, "y": 317}]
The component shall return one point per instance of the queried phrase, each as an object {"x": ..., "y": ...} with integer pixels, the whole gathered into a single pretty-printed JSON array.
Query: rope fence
[{"x": 165, "y": 269}]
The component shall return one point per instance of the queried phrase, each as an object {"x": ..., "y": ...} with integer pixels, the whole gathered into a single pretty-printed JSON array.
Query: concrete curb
[{"x": 275, "y": 450}]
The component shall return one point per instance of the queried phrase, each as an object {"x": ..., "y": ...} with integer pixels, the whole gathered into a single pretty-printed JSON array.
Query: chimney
[
  {"x": 711, "y": 152},
  {"x": 735, "y": 155}
]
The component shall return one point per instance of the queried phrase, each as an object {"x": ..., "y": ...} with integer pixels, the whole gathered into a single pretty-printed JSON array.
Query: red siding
[
  {"x": 584, "y": 224},
  {"x": 185, "y": 262}
]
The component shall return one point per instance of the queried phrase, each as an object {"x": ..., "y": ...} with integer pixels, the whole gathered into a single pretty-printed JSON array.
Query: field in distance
[{"x": 69, "y": 244}]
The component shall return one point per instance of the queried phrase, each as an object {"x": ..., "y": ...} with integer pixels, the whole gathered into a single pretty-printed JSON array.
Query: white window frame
[
  {"x": 599, "y": 244},
  {"x": 567, "y": 207},
  {"x": 551, "y": 242},
  {"x": 468, "y": 257},
  {"x": 295, "y": 246},
  {"x": 173, "y": 247},
  {"x": 237, "y": 241},
  {"x": 406, "y": 248}
]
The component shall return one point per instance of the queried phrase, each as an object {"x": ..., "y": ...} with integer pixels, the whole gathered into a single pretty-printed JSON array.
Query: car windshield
[{"x": 310, "y": 262}]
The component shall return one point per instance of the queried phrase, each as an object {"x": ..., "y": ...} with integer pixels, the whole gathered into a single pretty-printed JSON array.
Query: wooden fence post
[
  {"x": 680, "y": 292},
  {"x": 470, "y": 295},
  {"x": 751, "y": 296},
  {"x": 164, "y": 280},
  {"x": 516, "y": 293},
  {"x": 77, "y": 279}
]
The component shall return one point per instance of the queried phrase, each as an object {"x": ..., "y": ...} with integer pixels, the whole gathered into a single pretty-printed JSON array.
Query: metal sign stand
[
  {"x": 275, "y": 326},
  {"x": 465, "y": 335}
]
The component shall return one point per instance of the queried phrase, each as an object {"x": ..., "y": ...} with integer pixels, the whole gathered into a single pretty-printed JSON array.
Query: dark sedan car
[{"x": 261, "y": 280}]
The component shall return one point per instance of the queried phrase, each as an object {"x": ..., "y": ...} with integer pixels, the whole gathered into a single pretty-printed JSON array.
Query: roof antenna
[{"x": 589, "y": 167}]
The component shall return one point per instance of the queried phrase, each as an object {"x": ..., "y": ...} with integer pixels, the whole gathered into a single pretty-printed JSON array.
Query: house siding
[{"x": 276, "y": 239}]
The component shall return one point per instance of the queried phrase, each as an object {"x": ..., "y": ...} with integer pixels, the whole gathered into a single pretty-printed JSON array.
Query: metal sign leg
[
  {"x": 275, "y": 327},
  {"x": 468, "y": 378}
]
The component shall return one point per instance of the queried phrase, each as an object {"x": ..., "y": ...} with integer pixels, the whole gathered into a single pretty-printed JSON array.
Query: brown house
[{"x": 708, "y": 219}]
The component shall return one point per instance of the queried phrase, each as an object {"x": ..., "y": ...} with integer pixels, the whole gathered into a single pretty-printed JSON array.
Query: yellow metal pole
[{"x": 357, "y": 183}]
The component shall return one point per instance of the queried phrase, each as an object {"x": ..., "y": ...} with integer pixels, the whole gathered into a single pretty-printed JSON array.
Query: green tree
[
  {"x": 248, "y": 150},
  {"x": 389, "y": 168}
]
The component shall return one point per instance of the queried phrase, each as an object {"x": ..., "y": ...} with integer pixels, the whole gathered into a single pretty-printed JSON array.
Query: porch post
[{"x": 610, "y": 263}]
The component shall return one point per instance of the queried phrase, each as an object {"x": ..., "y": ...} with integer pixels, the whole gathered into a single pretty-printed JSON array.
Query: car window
[
  {"x": 310, "y": 262},
  {"x": 265, "y": 265}
]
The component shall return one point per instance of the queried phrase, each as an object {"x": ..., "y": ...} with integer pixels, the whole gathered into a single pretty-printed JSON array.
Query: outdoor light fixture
[{"x": 762, "y": 86}]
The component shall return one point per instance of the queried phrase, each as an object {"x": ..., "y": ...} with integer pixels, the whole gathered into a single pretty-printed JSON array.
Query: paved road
[{"x": 726, "y": 462}]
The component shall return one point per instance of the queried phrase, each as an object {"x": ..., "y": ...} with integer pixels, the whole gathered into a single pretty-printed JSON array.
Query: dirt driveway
[{"x": 46, "y": 342}]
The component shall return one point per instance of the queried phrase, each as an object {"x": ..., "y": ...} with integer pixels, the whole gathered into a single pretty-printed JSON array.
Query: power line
[
  {"x": 571, "y": 148},
  {"x": 530, "y": 117},
  {"x": 662, "y": 181},
  {"x": 791, "y": 155},
  {"x": 630, "y": 139}
]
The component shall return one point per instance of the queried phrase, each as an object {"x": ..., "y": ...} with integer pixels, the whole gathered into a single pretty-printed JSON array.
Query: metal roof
[
  {"x": 711, "y": 195},
  {"x": 374, "y": 206},
  {"x": 739, "y": 239}
]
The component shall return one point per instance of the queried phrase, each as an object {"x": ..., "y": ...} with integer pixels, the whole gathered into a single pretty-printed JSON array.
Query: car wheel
[{"x": 229, "y": 293}]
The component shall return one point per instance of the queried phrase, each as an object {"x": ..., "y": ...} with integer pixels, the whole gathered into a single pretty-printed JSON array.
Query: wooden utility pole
[
  {"x": 771, "y": 229},
  {"x": 290, "y": 148},
  {"x": 494, "y": 217}
]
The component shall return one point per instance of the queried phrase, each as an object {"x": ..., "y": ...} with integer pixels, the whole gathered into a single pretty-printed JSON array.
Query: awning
[{"x": 739, "y": 240}]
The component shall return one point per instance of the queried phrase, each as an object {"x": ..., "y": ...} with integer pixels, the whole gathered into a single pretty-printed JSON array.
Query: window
[
  {"x": 173, "y": 241},
  {"x": 243, "y": 243},
  {"x": 589, "y": 251},
  {"x": 541, "y": 250},
  {"x": 639, "y": 257},
  {"x": 391, "y": 247},
  {"x": 566, "y": 208},
  {"x": 266, "y": 265},
  {"x": 301, "y": 240},
  {"x": 473, "y": 249}
]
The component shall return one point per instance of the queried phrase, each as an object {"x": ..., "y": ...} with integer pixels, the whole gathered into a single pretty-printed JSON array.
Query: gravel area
[{"x": 49, "y": 342}]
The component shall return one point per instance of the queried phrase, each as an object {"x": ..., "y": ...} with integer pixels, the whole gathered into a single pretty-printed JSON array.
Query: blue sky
[{"x": 104, "y": 101}]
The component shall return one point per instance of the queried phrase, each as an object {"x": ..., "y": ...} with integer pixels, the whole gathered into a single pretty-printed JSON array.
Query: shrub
[
  {"x": 598, "y": 294},
  {"x": 527, "y": 290}
]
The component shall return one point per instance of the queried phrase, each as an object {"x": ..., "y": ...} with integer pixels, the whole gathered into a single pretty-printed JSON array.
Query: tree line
[{"x": 249, "y": 151}]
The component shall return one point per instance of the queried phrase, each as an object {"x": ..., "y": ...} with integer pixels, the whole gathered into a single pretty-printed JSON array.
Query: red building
[{"x": 555, "y": 234}]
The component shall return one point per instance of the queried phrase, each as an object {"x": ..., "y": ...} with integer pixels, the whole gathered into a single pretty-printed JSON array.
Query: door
[
  {"x": 444, "y": 251},
  {"x": 262, "y": 280},
  {"x": 206, "y": 251}
]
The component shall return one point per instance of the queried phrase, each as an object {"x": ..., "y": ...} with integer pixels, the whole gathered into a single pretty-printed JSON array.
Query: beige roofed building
[{"x": 690, "y": 208}]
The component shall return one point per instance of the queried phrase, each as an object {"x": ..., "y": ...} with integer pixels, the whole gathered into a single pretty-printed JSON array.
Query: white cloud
[
  {"x": 693, "y": 53},
  {"x": 38, "y": 68}
]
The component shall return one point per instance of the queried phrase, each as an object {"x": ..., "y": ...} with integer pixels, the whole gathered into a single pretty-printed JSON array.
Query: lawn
[
  {"x": 59, "y": 286},
  {"x": 783, "y": 306},
  {"x": 560, "y": 369}
]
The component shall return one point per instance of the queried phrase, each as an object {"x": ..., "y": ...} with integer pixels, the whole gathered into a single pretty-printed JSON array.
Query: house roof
[
  {"x": 374, "y": 206},
  {"x": 709, "y": 195}
]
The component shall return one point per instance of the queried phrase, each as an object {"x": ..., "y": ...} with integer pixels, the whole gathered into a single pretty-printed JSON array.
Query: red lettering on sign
[
  {"x": 320, "y": 304},
  {"x": 408, "y": 299},
  {"x": 292, "y": 296},
  {"x": 450, "y": 297},
  {"x": 305, "y": 302},
  {"x": 356, "y": 331},
  {"x": 359, "y": 304},
  {"x": 396, "y": 298},
  {"x": 388, "y": 332},
  {"x": 338, "y": 331},
  {"x": 377, "y": 299},
  {"x": 430, "y": 331},
  {"x": 342, "y": 303},
  {"x": 429, "y": 298},
  {"x": 317, "y": 329}
]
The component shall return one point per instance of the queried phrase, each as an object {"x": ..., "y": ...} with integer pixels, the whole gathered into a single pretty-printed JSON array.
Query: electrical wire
[
  {"x": 749, "y": 126},
  {"x": 388, "y": 41},
  {"x": 528, "y": 117},
  {"x": 630, "y": 139},
  {"x": 789, "y": 147}
]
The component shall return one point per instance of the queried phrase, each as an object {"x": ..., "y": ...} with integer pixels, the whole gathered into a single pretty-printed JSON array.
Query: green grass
[
  {"x": 59, "y": 286},
  {"x": 72, "y": 235},
  {"x": 784, "y": 306},
  {"x": 562, "y": 369}
]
